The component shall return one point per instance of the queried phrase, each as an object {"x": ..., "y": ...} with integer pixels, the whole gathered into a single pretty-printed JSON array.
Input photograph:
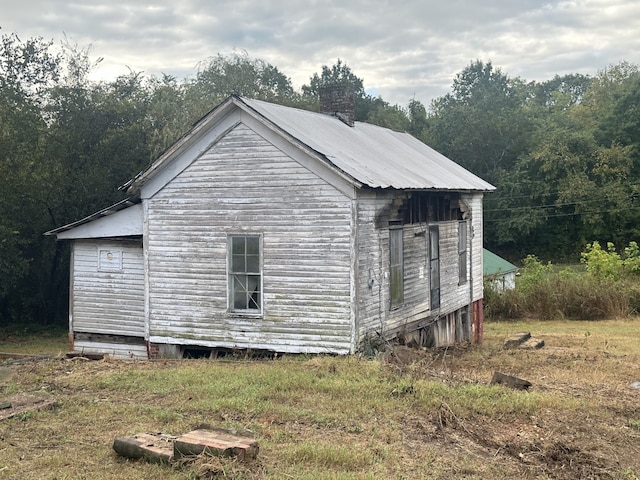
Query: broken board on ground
[{"x": 160, "y": 448}]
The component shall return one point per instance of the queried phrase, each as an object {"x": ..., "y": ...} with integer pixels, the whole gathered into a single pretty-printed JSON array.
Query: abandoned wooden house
[{"x": 276, "y": 229}]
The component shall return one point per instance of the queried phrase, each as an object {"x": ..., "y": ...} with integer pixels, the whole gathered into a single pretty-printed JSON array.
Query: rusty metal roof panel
[{"x": 374, "y": 156}]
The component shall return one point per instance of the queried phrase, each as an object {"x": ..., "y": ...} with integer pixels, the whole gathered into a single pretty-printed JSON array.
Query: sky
[{"x": 402, "y": 49}]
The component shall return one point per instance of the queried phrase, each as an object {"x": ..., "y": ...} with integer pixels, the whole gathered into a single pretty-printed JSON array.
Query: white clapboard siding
[
  {"x": 375, "y": 312},
  {"x": 107, "y": 300},
  {"x": 474, "y": 201},
  {"x": 243, "y": 184},
  {"x": 373, "y": 263},
  {"x": 452, "y": 294}
]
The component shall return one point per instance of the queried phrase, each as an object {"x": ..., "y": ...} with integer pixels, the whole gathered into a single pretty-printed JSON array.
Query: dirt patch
[{"x": 23, "y": 403}]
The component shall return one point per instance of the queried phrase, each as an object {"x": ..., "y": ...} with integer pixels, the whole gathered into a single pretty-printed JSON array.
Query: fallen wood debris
[
  {"x": 523, "y": 341},
  {"x": 516, "y": 340},
  {"x": 510, "y": 381},
  {"x": 532, "y": 344},
  {"x": 23, "y": 403},
  {"x": 154, "y": 448},
  {"x": 166, "y": 449}
]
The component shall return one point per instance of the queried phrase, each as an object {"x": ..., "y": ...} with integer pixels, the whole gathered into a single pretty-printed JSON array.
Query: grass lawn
[{"x": 412, "y": 414}]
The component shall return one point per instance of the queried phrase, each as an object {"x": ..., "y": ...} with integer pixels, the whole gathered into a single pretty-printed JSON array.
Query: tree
[
  {"x": 579, "y": 179},
  {"x": 27, "y": 72},
  {"x": 482, "y": 124},
  {"x": 417, "y": 115},
  {"x": 367, "y": 107}
]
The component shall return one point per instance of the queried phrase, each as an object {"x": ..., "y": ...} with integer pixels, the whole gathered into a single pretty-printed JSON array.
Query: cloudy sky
[{"x": 401, "y": 48}]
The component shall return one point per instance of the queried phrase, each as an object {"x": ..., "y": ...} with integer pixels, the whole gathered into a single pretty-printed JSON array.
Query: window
[
  {"x": 245, "y": 274},
  {"x": 396, "y": 266},
  {"x": 462, "y": 253},
  {"x": 434, "y": 265}
]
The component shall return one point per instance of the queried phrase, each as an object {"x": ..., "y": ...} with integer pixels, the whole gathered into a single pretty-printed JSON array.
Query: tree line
[{"x": 563, "y": 153}]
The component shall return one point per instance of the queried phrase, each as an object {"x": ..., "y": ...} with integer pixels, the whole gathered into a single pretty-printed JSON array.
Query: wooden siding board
[
  {"x": 245, "y": 184},
  {"x": 474, "y": 201},
  {"x": 372, "y": 302},
  {"x": 373, "y": 256}
]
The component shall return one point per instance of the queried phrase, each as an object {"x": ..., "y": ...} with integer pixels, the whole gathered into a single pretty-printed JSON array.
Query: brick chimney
[{"x": 339, "y": 101}]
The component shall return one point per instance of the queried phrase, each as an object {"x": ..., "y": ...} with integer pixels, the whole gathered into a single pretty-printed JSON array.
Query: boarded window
[
  {"x": 396, "y": 268},
  {"x": 434, "y": 266},
  {"x": 109, "y": 260},
  {"x": 245, "y": 273},
  {"x": 462, "y": 253}
]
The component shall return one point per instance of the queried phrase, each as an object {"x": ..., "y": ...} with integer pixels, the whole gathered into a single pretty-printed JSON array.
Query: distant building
[{"x": 499, "y": 271}]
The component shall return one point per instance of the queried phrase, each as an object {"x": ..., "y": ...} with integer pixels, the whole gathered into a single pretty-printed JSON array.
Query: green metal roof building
[{"x": 502, "y": 272}]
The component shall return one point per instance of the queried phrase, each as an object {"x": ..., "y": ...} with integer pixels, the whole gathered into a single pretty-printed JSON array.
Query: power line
[
  {"x": 555, "y": 215},
  {"x": 530, "y": 207}
]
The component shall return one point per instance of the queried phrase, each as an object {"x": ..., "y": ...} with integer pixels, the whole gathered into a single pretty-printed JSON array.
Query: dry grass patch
[{"x": 411, "y": 415}]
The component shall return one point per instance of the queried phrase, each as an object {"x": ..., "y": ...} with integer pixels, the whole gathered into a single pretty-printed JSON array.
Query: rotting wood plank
[
  {"x": 516, "y": 340},
  {"x": 154, "y": 448},
  {"x": 510, "y": 381}
]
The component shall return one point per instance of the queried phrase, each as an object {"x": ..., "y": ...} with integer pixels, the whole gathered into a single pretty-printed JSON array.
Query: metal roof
[
  {"x": 105, "y": 212},
  {"x": 374, "y": 156},
  {"x": 492, "y": 264}
]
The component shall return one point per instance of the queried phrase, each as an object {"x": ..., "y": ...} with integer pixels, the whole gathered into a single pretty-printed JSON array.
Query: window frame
[{"x": 244, "y": 274}]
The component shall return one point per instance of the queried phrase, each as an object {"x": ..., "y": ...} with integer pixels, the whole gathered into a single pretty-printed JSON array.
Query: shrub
[
  {"x": 545, "y": 292},
  {"x": 602, "y": 265}
]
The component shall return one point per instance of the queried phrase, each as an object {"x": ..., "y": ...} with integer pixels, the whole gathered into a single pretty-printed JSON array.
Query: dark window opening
[{"x": 422, "y": 207}]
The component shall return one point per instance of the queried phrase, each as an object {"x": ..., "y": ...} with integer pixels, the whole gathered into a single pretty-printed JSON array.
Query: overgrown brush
[{"x": 610, "y": 288}]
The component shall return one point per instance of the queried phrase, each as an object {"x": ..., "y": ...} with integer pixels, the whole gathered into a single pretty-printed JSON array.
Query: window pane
[
  {"x": 239, "y": 292},
  {"x": 254, "y": 300},
  {"x": 253, "y": 264},
  {"x": 237, "y": 245},
  {"x": 238, "y": 264},
  {"x": 253, "y": 245},
  {"x": 253, "y": 291}
]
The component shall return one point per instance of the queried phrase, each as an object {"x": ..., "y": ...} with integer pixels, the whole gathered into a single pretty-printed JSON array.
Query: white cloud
[{"x": 401, "y": 49}]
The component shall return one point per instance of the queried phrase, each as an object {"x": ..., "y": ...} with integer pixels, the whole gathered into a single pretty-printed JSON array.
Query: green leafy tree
[
  {"x": 482, "y": 124},
  {"x": 28, "y": 69},
  {"x": 367, "y": 107},
  {"x": 579, "y": 179}
]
